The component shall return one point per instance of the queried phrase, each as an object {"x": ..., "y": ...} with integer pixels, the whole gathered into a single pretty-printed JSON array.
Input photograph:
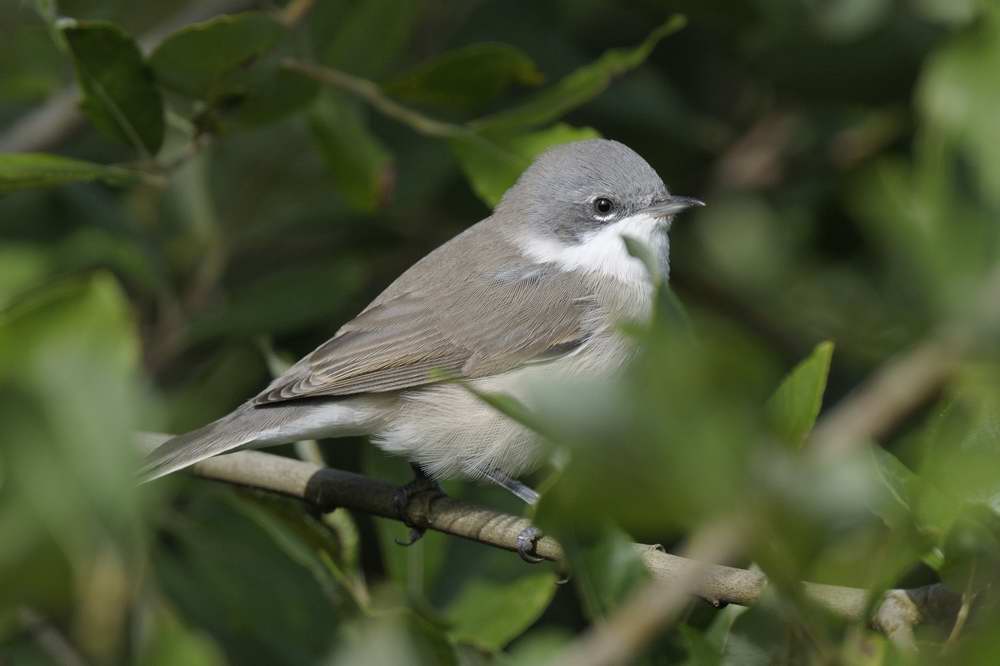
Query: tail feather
[
  {"x": 192, "y": 447},
  {"x": 250, "y": 426}
]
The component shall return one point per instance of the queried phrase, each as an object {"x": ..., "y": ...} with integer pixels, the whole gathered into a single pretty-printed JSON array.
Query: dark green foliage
[
  {"x": 218, "y": 213},
  {"x": 119, "y": 94}
]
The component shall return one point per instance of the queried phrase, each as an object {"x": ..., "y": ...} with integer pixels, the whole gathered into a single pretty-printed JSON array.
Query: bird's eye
[{"x": 603, "y": 206}]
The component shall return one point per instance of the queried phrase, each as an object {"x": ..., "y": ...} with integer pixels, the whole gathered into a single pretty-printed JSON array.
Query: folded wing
[{"x": 480, "y": 325}]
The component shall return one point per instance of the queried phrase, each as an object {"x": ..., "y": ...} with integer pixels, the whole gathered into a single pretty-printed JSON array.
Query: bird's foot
[
  {"x": 526, "y": 542},
  {"x": 404, "y": 495}
]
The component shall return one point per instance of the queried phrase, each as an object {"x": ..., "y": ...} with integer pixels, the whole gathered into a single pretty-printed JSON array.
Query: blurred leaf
[
  {"x": 795, "y": 405},
  {"x": 490, "y": 613},
  {"x": 58, "y": 545},
  {"x": 972, "y": 551},
  {"x": 21, "y": 267},
  {"x": 397, "y": 638},
  {"x": 466, "y": 77},
  {"x": 701, "y": 651},
  {"x": 492, "y": 164},
  {"x": 958, "y": 95},
  {"x": 954, "y": 12},
  {"x": 670, "y": 311},
  {"x": 350, "y": 44},
  {"x": 195, "y": 60},
  {"x": 645, "y": 254},
  {"x": 172, "y": 643},
  {"x": 898, "y": 479},
  {"x": 254, "y": 590},
  {"x": 759, "y": 638},
  {"x": 33, "y": 79},
  {"x": 669, "y": 444},
  {"x": 267, "y": 93},
  {"x": 119, "y": 91},
  {"x": 539, "y": 646},
  {"x": 578, "y": 87},
  {"x": 509, "y": 406},
  {"x": 960, "y": 446},
  {"x": 362, "y": 168},
  {"x": 22, "y": 171},
  {"x": 215, "y": 387},
  {"x": 48, "y": 11},
  {"x": 605, "y": 567},
  {"x": 304, "y": 538},
  {"x": 282, "y": 302}
]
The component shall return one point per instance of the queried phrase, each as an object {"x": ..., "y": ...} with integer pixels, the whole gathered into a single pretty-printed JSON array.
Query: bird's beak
[{"x": 672, "y": 205}]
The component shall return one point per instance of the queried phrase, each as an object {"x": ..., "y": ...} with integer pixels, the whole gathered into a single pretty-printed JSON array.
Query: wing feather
[{"x": 478, "y": 326}]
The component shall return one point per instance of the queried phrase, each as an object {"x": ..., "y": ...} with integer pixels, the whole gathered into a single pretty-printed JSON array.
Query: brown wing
[{"x": 479, "y": 326}]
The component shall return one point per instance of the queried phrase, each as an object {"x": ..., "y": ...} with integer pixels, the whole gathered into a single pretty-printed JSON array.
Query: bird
[{"x": 537, "y": 289}]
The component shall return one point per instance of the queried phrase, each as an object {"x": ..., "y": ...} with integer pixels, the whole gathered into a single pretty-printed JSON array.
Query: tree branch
[
  {"x": 676, "y": 577},
  {"x": 370, "y": 92}
]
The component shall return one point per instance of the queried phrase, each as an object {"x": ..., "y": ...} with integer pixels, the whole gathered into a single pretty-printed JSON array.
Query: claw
[
  {"x": 526, "y": 542},
  {"x": 401, "y": 500},
  {"x": 416, "y": 533}
]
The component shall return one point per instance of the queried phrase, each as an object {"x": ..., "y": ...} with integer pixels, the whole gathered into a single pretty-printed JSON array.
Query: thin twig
[
  {"x": 892, "y": 393},
  {"x": 370, "y": 92},
  {"x": 968, "y": 598},
  {"x": 49, "y": 638},
  {"x": 293, "y": 13},
  {"x": 676, "y": 576}
]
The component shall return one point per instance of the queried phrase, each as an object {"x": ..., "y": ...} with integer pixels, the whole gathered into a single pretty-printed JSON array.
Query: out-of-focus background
[{"x": 188, "y": 202}]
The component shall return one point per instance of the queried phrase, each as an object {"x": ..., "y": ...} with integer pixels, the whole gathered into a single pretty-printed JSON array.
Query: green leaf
[
  {"x": 369, "y": 36},
  {"x": 492, "y": 164},
  {"x": 958, "y": 96},
  {"x": 759, "y": 638},
  {"x": 285, "y": 301},
  {"x": 120, "y": 95},
  {"x": 171, "y": 643},
  {"x": 362, "y": 168},
  {"x": 465, "y": 78},
  {"x": 578, "y": 87},
  {"x": 606, "y": 569},
  {"x": 910, "y": 500},
  {"x": 795, "y": 405},
  {"x": 196, "y": 60},
  {"x": 539, "y": 646},
  {"x": 641, "y": 251},
  {"x": 57, "y": 436},
  {"x": 415, "y": 568},
  {"x": 268, "y": 93},
  {"x": 21, "y": 268},
  {"x": 24, "y": 171},
  {"x": 509, "y": 406},
  {"x": 491, "y": 613},
  {"x": 398, "y": 637},
  {"x": 263, "y": 594}
]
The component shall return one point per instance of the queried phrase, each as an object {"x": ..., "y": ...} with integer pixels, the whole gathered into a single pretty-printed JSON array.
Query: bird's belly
[{"x": 452, "y": 433}]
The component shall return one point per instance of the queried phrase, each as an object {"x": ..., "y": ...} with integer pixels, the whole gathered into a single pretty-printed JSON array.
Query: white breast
[{"x": 603, "y": 251}]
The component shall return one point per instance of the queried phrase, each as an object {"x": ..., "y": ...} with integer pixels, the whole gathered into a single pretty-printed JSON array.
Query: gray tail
[{"x": 230, "y": 433}]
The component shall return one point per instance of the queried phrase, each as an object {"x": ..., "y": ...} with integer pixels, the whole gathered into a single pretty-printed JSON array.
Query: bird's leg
[
  {"x": 519, "y": 490},
  {"x": 421, "y": 483},
  {"x": 529, "y": 536}
]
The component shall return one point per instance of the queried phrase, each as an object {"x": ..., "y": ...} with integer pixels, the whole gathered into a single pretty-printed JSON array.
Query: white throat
[{"x": 603, "y": 251}]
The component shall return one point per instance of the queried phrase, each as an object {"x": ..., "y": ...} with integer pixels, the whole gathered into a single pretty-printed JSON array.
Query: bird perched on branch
[{"x": 537, "y": 288}]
